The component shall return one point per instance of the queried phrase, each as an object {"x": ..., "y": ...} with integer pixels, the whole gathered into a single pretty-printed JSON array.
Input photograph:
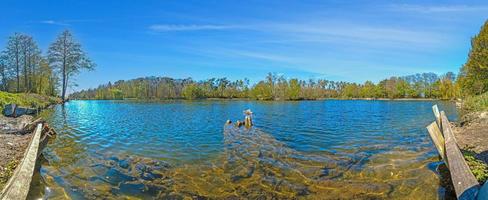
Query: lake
[{"x": 181, "y": 149}]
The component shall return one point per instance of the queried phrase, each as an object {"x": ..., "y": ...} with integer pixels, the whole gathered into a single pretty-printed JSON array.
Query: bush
[
  {"x": 476, "y": 103},
  {"x": 27, "y": 100},
  {"x": 478, "y": 167}
]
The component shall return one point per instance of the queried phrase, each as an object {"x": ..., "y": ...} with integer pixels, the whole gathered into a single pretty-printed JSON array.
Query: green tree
[
  {"x": 192, "y": 91},
  {"x": 351, "y": 91},
  {"x": 117, "y": 93},
  {"x": 473, "y": 77},
  {"x": 369, "y": 90},
  {"x": 262, "y": 91},
  {"x": 294, "y": 89}
]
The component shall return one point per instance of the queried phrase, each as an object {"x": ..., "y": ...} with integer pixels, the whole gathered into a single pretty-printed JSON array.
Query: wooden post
[
  {"x": 437, "y": 115},
  {"x": 438, "y": 139},
  {"x": 465, "y": 184},
  {"x": 248, "y": 118},
  {"x": 248, "y": 121}
]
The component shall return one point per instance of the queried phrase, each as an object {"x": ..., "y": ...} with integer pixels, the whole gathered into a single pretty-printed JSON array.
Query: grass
[
  {"x": 26, "y": 99},
  {"x": 7, "y": 172},
  {"x": 476, "y": 103},
  {"x": 478, "y": 167}
]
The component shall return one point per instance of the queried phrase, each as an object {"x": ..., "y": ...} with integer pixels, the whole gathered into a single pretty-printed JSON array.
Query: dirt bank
[
  {"x": 472, "y": 134},
  {"x": 472, "y": 137},
  {"x": 12, "y": 145}
]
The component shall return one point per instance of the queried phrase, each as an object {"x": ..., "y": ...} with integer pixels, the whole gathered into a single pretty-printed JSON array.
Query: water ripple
[{"x": 177, "y": 149}]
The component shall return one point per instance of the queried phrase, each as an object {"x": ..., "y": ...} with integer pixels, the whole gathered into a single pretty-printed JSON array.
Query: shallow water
[{"x": 179, "y": 149}]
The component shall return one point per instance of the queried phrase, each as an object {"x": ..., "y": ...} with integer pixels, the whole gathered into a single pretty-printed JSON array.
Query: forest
[{"x": 276, "y": 87}]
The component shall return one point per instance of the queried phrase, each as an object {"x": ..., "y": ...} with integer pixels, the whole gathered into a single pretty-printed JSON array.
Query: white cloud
[
  {"x": 261, "y": 55},
  {"x": 191, "y": 27},
  {"x": 52, "y": 22}
]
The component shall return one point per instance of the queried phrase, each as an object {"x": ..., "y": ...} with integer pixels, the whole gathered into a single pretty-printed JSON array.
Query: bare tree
[
  {"x": 66, "y": 55},
  {"x": 14, "y": 49},
  {"x": 4, "y": 70},
  {"x": 31, "y": 58}
]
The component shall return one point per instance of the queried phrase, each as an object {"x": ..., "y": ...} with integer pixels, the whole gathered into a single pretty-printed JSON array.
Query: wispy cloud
[
  {"x": 437, "y": 8},
  {"x": 229, "y": 52},
  {"x": 261, "y": 55},
  {"x": 190, "y": 27},
  {"x": 52, "y": 22},
  {"x": 356, "y": 33}
]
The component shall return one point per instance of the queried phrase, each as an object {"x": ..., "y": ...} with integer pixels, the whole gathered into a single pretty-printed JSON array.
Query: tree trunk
[
  {"x": 65, "y": 78},
  {"x": 63, "y": 94},
  {"x": 25, "y": 72},
  {"x": 40, "y": 84},
  {"x": 17, "y": 69}
]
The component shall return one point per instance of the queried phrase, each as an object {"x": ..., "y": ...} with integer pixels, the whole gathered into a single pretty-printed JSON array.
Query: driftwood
[
  {"x": 438, "y": 139},
  {"x": 465, "y": 184},
  {"x": 437, "y": 115},
  {"x": 19, "y": 184}
]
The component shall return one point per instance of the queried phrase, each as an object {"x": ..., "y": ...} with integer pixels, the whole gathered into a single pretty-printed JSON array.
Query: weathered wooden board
[
  {"x": 465, "y": 184},
  {"x": 437, "y": 115},
  {"x": 19, "y": 184},
  {"x": 438, "y": 140}
]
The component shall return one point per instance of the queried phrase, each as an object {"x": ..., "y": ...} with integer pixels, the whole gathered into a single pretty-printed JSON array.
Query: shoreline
[
  {"x": 471, "y": 134},
  {"x": 248, "y": 99},
  {"x": 15, "y": 136}
]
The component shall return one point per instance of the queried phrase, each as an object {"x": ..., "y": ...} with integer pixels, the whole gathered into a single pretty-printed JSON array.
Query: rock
[
  {"x": 483, "y": 115},
  {"x": 14, "y": 125},
  {"x": 19, "y": 111},
  {"x": 12, "y": 110},
  {"x": 124, "y": 164},
  {"x": 9, "y": 110}
]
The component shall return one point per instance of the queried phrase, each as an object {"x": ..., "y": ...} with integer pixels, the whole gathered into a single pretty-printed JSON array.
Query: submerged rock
[{"x": 124, "y": 164}]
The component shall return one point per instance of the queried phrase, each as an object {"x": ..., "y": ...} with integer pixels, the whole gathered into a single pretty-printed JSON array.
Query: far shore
[{"x": 277, "y": 100}]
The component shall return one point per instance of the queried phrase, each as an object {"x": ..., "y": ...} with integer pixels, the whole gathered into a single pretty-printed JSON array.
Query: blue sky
[{"x": 338, "y": 40}]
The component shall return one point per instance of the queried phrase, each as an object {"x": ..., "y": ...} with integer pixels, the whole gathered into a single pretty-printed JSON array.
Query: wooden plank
[
  {"x": 437, "y": 115},
  {"x": 465, "y": 184},
  {"x": 437, "y": 139},
  {"x": 19, "y": 184}
]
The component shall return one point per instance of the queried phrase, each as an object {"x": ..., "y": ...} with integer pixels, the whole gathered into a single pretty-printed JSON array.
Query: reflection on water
[{"x": 177, "y": 150}]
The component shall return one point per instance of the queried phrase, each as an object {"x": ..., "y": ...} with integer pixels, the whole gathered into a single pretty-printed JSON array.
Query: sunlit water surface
[{"x": 179, "y": 149}]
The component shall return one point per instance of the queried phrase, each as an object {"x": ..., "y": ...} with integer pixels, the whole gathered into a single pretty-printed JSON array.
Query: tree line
[
  {"x": 275, "y": 87},
  {"x": 24, "y": 68}
]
